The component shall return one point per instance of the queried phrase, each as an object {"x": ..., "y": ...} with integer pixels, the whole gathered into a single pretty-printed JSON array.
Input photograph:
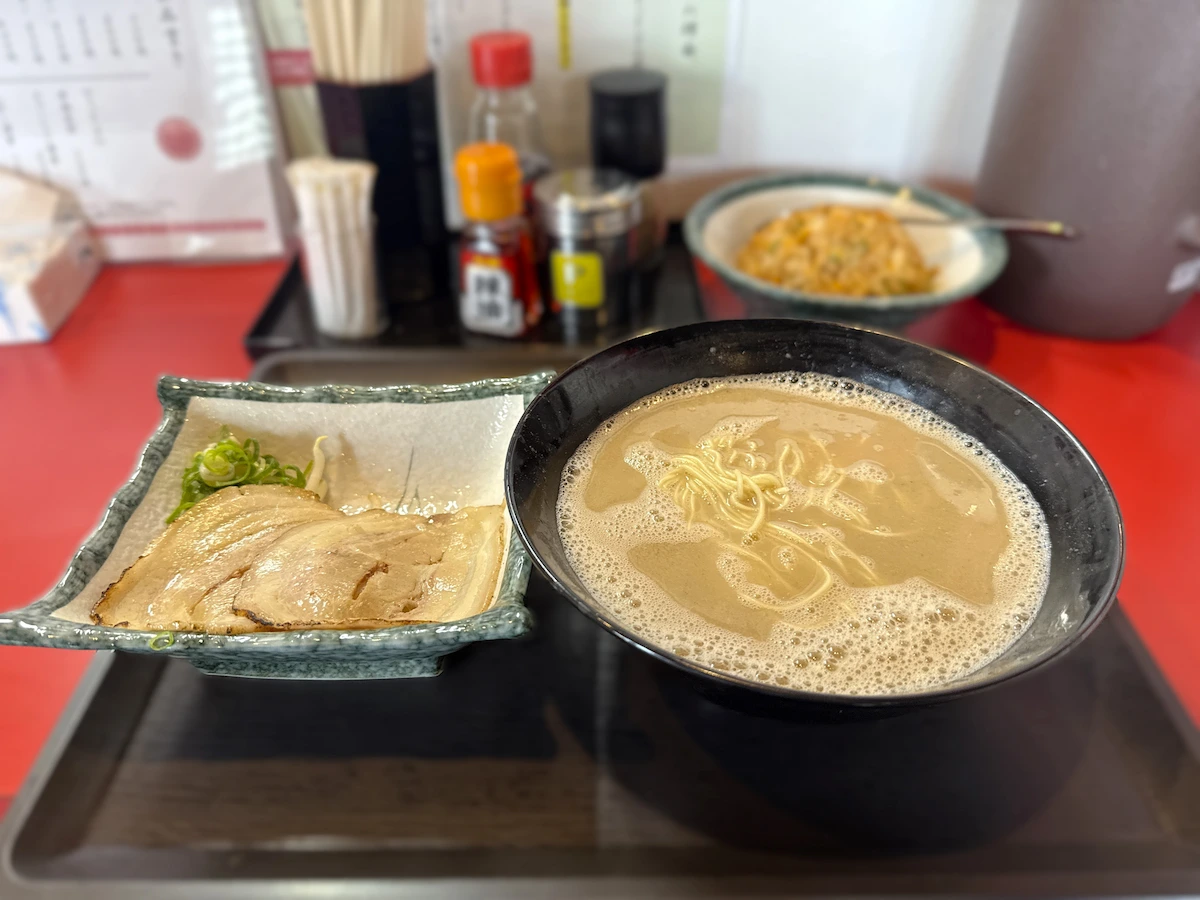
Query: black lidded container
[
  {"x": 394, "y": 125},
  {"x": 629, "y": 135},
  {"x": 629, "y": 121}
]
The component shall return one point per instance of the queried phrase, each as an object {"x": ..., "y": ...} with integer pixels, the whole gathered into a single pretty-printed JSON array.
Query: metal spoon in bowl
[{"x": 1025, "y": 226}]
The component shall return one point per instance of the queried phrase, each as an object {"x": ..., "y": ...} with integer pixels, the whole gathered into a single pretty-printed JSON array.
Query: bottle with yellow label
[
  {"x": 499, "y": 292},
  {"x": 589, "y": 218}
]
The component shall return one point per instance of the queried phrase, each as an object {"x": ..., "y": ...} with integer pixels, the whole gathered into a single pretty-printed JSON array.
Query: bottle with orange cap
[{"x": 499, "y": 292}]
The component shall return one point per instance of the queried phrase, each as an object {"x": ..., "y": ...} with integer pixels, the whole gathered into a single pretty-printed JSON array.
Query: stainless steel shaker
[{"x": 589, "y": 218}]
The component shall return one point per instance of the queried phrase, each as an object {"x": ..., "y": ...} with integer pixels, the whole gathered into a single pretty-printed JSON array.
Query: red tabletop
[{"x": 76, "y": 412}]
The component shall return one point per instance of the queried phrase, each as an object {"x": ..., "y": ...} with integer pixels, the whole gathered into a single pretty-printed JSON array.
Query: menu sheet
[{"x": 155, "y": 113}]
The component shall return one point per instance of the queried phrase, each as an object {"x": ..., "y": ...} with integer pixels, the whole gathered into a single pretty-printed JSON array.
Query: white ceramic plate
[{"x": 722, "y": 222}]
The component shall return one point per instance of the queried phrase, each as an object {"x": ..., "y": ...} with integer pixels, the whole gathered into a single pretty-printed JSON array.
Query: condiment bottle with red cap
[{"x": 504, "y": 111}]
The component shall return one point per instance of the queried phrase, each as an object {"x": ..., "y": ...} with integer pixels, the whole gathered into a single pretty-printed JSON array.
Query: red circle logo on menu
[{"x": 179, "y": 139}]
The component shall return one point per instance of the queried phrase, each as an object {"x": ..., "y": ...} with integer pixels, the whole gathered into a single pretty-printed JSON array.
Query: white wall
[{"x": 898, "y": 88}]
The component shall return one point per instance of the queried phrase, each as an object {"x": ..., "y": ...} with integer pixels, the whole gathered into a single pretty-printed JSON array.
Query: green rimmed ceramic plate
[
  {"x": 430, "y": 448},
  {"x": 719, "y": 225}
]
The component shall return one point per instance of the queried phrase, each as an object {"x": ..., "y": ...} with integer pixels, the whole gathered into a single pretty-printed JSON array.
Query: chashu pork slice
[
  {"x": 376, "y": 569},
  {"x": 183, "y": 580},
  {"x": 464, "y": 582}
]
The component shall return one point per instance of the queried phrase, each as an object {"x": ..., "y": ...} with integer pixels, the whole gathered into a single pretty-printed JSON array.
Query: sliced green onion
[
  {"x": 162, "y": 640},
  {"x": 225, "y": 463}
]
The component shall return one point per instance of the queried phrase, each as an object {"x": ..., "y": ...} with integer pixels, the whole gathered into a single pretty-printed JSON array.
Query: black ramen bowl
[{"x": 1087, "y": 542}]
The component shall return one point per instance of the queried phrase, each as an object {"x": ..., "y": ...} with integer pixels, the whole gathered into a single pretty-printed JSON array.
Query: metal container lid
[{"x": 588, "y": 203}]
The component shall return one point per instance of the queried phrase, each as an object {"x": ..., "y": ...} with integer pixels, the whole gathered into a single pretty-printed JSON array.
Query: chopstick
[{"x": 367, "y": 41}]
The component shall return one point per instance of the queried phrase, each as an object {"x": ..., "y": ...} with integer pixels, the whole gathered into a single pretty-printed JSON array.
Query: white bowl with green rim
[{"x": 721, "y": 223}]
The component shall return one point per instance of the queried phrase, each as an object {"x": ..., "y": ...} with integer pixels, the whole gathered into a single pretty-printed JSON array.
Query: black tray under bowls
[
  {"x": 665, "y": 297},
  {"x": 569, "y": 764}
]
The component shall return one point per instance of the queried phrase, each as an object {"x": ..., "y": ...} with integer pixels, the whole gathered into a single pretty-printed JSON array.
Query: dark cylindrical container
[
  {"x": 629, "y": 134},
  {"x": 394, "y": 125},
  {"x": 1097, "y": 124}
]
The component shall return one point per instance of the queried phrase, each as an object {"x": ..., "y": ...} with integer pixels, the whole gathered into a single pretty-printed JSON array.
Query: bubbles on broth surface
[{"x": 878, "y": 639}]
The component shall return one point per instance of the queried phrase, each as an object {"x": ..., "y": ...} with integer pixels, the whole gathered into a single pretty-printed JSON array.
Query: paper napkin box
[{"x": 43, "y": 278}]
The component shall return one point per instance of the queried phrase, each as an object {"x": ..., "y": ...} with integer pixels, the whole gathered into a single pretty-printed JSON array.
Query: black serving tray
[
  {"x": 664, "y": 298},
  {"x": 572, "y": 765},
  {"x": 413, "y": 365}
]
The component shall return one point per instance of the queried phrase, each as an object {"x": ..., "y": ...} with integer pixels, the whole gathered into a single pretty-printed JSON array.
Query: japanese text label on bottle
[{"x": 499, "y": 294}]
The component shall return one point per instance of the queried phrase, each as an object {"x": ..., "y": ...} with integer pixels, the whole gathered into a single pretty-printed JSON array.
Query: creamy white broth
[{"x": 805, "y": 531}]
